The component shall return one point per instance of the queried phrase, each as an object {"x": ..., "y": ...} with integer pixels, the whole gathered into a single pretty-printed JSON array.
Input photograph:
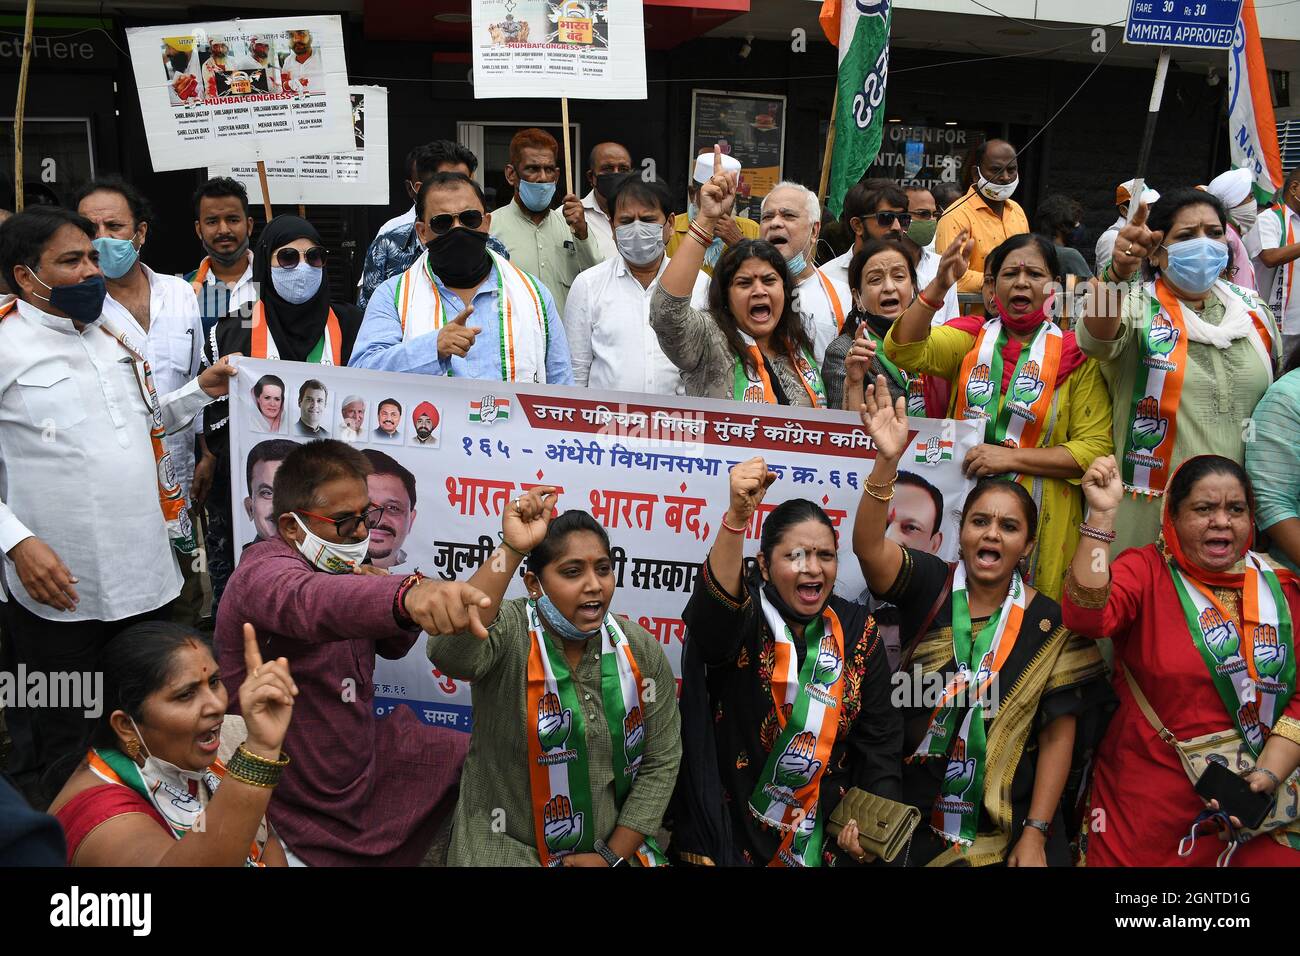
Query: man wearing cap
[
  {"x": 1279, "y": 240},
  {"x": 730, "y": 228},
  {"x": 1233, "y": 190},
  {"x": 425, "y": 419},
  {"x": 1123, "y": 196}
]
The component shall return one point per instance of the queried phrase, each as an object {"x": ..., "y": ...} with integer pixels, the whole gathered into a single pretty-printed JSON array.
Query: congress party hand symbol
[
  {"x": 1220, "y": 635},
  {"x": 933, "y": 450},
  {"x": 961, "y": 770},
  {"x": 1270, "y": 654},
  {"x": 1027, "y": 386},
  {"x": 633, "y": 736},
  {"x": 553, "y": 724},
  {"x": 796, "y": 766},
  {"x": 1148, "y": 427},
  {"x": 561, "y": 827},
  {"x": 827, "y": 669},
  {"x": 979, "y": 390},
  {"x": 1163, "y": 336}
]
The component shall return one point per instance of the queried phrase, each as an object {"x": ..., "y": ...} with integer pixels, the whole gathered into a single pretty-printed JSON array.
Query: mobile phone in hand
[{"x": 1234, "y": 795}]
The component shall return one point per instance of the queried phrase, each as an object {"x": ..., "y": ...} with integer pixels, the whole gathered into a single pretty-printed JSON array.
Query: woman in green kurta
[
  {"x": 1186, "y": 355},
  {"x": 576, "y": 736}
]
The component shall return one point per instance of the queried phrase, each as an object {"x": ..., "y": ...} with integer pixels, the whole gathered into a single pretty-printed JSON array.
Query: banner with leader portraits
[
  {"x": 235, "y": 91},
  {"x": 448, "y": 455}
]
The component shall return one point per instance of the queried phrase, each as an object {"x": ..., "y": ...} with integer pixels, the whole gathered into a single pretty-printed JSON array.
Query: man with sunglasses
[
  {"x": 362, "y": 790},
  {"x": 460, "y": 309},
  {"x": 873, "y": 209},
  {"x": 397, "y": 244},
  {"x": 552, "y": 244},
  {"x": 924, "y": 210}
]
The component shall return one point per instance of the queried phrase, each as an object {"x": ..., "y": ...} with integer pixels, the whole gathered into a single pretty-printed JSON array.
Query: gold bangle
[
  {"x": 880, "y": 497},
  {"x": 282, "y": 762},
  {"x": 871, "y": 484}
]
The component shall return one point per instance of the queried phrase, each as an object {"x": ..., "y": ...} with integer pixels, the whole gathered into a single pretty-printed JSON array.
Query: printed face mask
[
  {"x": 298, "y": 284},
  {"x": 328, "y": 556},
  {"x": 996, "y": 191}
]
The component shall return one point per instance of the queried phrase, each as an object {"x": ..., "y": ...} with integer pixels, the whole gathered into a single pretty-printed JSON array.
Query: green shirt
[
  {"x": 494, "y": 823},
  {"x": 549, "y": 251},
  {"x": 1273, "y": 458},
  {"x": 1220, "y": 390}
]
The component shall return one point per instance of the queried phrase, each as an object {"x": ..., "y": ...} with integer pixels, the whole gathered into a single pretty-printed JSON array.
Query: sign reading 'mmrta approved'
[{"x": 1204, "y": 24}]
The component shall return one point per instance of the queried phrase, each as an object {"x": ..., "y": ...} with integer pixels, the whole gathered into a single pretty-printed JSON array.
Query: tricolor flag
[
  {"x": 1252, "y": 132},
  {"x": 860, "y": 29},
  {"x": 489, "y": 409},
  {"x": 933, "y": 451}
]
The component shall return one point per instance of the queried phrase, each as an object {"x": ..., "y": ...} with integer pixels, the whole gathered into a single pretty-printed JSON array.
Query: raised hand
[
  {"x": 1270, "y": 654},
  {"x": 445, "y": 608},
  {"x": 861, "y": 352},
  {"x": 553, "y": 723},
  {"x": 979, "y": 388},
  {"x": 1163, "y": 335},
  {"x": 265, "y": 699},
  {"x": 524, "y": 523},
  {"x": 633, "y": 736},
  {"x": 954, "y": 263},
  {"x": 718, "y": 195},
  {"x": 1220, "y": 635},
  {"x": 457, "y": 336},
  {"x": 1148, "y": 427},
  {"x": 796, "y": 766},
  {"x": 1134, "y": 243},
  {"x": 561, "y": 827},
  {"x": 1027, "y": 386},
  {"x": 885, "y": 420},
  {"x": 1103, "y": 488},
  {"x": 749, "y": 482}
]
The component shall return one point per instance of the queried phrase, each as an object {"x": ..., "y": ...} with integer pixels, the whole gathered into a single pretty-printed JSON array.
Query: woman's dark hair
[
  {"x": 873, "y": 247},
  {"x": 1203, "y": 466},
  {"x": 1057, "y": 214},
  {"x": 1046, "y": 248},
  {"x": 780, "y": 520},
  {"x": 789, "y": 332},
  {"x": 566, "y": 524},
  {"x": 137, "y": 663},
  {"x": 266, "y": 380},
  {"x": 986, "y": 485},
  {"x": 1162, "y": 215}
]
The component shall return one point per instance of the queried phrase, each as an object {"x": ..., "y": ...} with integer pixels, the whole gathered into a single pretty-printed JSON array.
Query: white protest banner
[
  {"x": 450, "y": 454},
  {"x": 585, "y": 49},
  {"x": 237, "y": 91},
  {"x": 355, "y": 177}
]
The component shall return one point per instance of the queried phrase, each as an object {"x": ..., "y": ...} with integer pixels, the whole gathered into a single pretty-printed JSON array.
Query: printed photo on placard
[
  {"x": 392, "y": 487},
  {"x": 268, "y": 403},
  {"x": 260, "y": 466},
  {"x": 425, "y": 426},
  {"x": 352, "y": 419},
  {"x": 313, "y": 410},
  {"x": 388, "y": 421}
]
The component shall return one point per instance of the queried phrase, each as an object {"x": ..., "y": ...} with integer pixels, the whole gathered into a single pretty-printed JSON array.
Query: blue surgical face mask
[
  {"x": 1195, "y": 264},
  {"x": 560, "y": 624},
  {"x": 298, "y": 284},
  {"x": 116, "y": 256},
  {"x": 536, "y": 196},
  {"x": 797, "y": 264},
  {"x": 83, "y": 302}
]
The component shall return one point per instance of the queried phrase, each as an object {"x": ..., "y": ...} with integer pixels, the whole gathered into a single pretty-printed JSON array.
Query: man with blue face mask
[
  {"x": 379, "y": 799},
  {"x": 85, "y": 522},
  {"x": 162, "y": 311},
  {"x": 552, "y": 244}
]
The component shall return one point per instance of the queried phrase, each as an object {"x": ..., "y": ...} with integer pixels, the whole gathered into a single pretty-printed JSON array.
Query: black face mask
[
  {"x": 606, "y": 183},
  {"x": 460, "y": 257}
]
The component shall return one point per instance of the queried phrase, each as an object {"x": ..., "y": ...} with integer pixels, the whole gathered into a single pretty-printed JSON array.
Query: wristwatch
[
  {"x": 1041, "y": 826},
  {"x": 608, "y": 855}
]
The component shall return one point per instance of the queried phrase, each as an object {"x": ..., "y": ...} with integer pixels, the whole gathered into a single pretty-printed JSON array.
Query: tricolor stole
[
  {"x": 1255, "y": 680},
  {"x": 808, "y": 701},
  {"x": 182, "y": 811},
  {"x": 521, "y": 315},
  {"x": 912, "y": 384},
  {"x": 263, "y": 343},
  {"x": 746, "y": 387},
  {"x": 1285, "y": 276},
  {"x": 956, "y": 730},
  {"x": 1016, "y": 419},
  {"x": 563, "y": 812}
]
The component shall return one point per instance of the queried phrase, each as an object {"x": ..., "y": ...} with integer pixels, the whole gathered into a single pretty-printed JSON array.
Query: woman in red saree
[{"x": 1203, "y": 627}]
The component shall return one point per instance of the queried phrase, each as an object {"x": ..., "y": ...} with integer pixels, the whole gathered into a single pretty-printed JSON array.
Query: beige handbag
[
  {"x": 884, "y": 826},
  {"x": 1228, "y": 748}
]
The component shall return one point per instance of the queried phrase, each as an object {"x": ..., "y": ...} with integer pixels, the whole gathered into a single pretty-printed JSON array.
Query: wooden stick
[
  {"x": 830, "y": 148},
  {"x": 266, "y": 190},
  {"x": 20, "y": 108},
  {"x": 302, "y": 211},
  {"x": 568, "y": 167}
]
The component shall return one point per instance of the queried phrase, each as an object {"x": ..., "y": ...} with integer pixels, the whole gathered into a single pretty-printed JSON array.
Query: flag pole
[
  {"x": 830, "y": 147},
  {"x": 20, "y": 108},
  {"x": 266, "y": 190},
  {"x": 568, "y": 153}
]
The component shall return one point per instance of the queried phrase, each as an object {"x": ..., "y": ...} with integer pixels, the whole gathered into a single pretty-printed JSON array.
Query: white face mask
[
  {"x": 328, "y": 556},
  {"x": 640, "y": 243},
  {"x": 995, "y": 191},
  {"x": 1245, "y": 215}
]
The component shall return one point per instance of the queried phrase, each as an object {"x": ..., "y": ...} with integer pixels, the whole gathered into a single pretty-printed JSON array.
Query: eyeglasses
[
  {"x": 287, "y": 258},
  {"x": 347, "y": 526},
  {"x": 441, "y": 225},
  {"x": 924, "y": 213},
  {"x": 886, "y": 219}
]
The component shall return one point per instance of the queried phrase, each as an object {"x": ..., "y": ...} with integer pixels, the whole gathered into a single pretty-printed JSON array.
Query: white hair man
[{"x": 791, "y": 219}]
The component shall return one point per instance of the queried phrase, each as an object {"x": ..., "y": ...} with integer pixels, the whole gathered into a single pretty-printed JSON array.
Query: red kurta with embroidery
[{"x": 1145, "y": 800}]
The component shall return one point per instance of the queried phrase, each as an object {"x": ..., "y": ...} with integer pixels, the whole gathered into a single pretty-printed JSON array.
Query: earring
[{"x": 133, "y": 747}]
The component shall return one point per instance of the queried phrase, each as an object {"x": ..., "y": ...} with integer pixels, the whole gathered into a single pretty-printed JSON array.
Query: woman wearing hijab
[
  {"x": 1044, "y": 407},
  {"x": 293, "y": 320},
  {"x": 1186, "y": 356},
  {"x": 1203, "y": 629}
]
